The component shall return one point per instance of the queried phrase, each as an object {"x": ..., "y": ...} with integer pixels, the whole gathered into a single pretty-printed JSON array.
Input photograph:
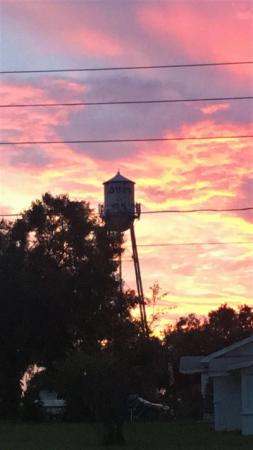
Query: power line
[
  {"x": 97, "y": 69},
  {"x": 249, "y": 208},
  {"x": 123, "y": 102},
  {"x": 168, "y": 244},
  {"x": 103, "y": 141},
  {"x": 195, "y": 243},
  {"x": 174, "y": 211},
  {"x": 185, "y": 244},
  {"x": 188, "y": 244}
]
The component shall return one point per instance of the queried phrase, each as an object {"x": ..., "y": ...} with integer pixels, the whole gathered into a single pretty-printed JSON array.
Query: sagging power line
[
  {"x": 174, "y": 211},
  {"x": 124, "y": 102},
  {"x": 98, "y": 69},
  {"x": 111, "y": 141},
  {"x": 247, "y": 208}
]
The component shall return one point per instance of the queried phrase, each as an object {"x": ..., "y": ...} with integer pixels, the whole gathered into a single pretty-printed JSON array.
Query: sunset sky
[{"x": 174, "y": 175}]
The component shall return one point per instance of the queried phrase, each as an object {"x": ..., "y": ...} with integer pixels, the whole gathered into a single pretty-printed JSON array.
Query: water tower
[{"x": 119, "y": 212}]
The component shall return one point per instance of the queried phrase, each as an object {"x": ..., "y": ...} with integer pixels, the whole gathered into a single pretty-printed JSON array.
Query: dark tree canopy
[
  {"x": 222, "y": 327},
  {"x": 59, "y": 285}
]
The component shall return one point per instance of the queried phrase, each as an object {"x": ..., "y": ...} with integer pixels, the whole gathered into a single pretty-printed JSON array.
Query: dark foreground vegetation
[
  {"x": 62, "y": 309},
  {"x": 140, "y": 436}
]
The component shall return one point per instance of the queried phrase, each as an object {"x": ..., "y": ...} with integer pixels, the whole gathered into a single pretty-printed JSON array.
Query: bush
[
  {"x": 31, "y": 409},
  {"x": 190, "y": 403}
]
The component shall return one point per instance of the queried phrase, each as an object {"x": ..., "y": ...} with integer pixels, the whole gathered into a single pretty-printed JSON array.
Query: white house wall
[
  {"x": 227, "y": 403},
  {"x": 231, "y": 370},
  {"x": 247, "y": 401}
]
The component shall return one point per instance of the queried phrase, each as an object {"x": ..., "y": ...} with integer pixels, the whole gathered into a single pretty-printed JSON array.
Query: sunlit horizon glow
[{"x": 169, "y": 175}]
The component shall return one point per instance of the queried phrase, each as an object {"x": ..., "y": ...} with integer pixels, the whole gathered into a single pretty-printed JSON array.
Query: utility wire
[
  {"x": 195, "y": 243},
  {"x": 248, "y": 208},
  {"x": 123, "y": 102},
  {"x": 174, "y": 211},
  {"x": 103, "y": 141},
  {"x": 97, "y": 69},
  {"x": 186, "y": 244}
]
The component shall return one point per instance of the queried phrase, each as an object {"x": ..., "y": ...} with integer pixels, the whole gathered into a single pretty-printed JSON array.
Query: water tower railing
[{"x": 136, "y": 214}]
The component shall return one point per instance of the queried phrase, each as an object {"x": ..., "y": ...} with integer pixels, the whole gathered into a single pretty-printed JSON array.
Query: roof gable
[{"x": 228, "y": 349}]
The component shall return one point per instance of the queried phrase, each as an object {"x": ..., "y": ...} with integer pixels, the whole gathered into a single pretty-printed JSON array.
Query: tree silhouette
[{"x": 59, "y": 288}]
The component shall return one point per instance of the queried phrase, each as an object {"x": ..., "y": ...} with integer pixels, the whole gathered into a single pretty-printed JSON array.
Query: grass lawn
[{"x": 140, "y": 436}]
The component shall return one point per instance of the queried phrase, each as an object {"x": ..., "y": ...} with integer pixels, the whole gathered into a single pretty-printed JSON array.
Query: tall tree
[{"x": 59, "y": 286}]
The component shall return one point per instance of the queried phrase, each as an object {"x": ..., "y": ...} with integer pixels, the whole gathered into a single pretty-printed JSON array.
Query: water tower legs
[{"x": 139, "y": 282}]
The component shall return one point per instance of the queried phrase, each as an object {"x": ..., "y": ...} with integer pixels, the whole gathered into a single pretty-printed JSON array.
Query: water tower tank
[{"x": 119, "y": 206}]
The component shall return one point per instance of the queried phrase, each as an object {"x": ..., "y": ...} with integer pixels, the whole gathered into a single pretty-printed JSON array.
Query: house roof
[
  {"x": 228, "y": 349},
  {"x": 190, "y": 364},
  {"x": 241, "y": 365},
  {"x": 219, "y": 361}
]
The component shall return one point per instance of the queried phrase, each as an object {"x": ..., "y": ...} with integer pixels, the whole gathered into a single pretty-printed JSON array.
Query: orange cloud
[{"x": 187, "y": 175}]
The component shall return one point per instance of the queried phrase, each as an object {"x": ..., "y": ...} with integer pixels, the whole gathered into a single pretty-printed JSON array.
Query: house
[
  {"x": 231, "y": 371},
  {"x": 51, "y": 404}
]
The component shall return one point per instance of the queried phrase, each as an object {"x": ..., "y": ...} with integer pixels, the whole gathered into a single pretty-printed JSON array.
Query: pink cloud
[
  {"x": 62, "y": 27},
  {"x": 35, "y": 123},
  {"x": 211, "y": 109},
  {"x": 212, "y": 32}
]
